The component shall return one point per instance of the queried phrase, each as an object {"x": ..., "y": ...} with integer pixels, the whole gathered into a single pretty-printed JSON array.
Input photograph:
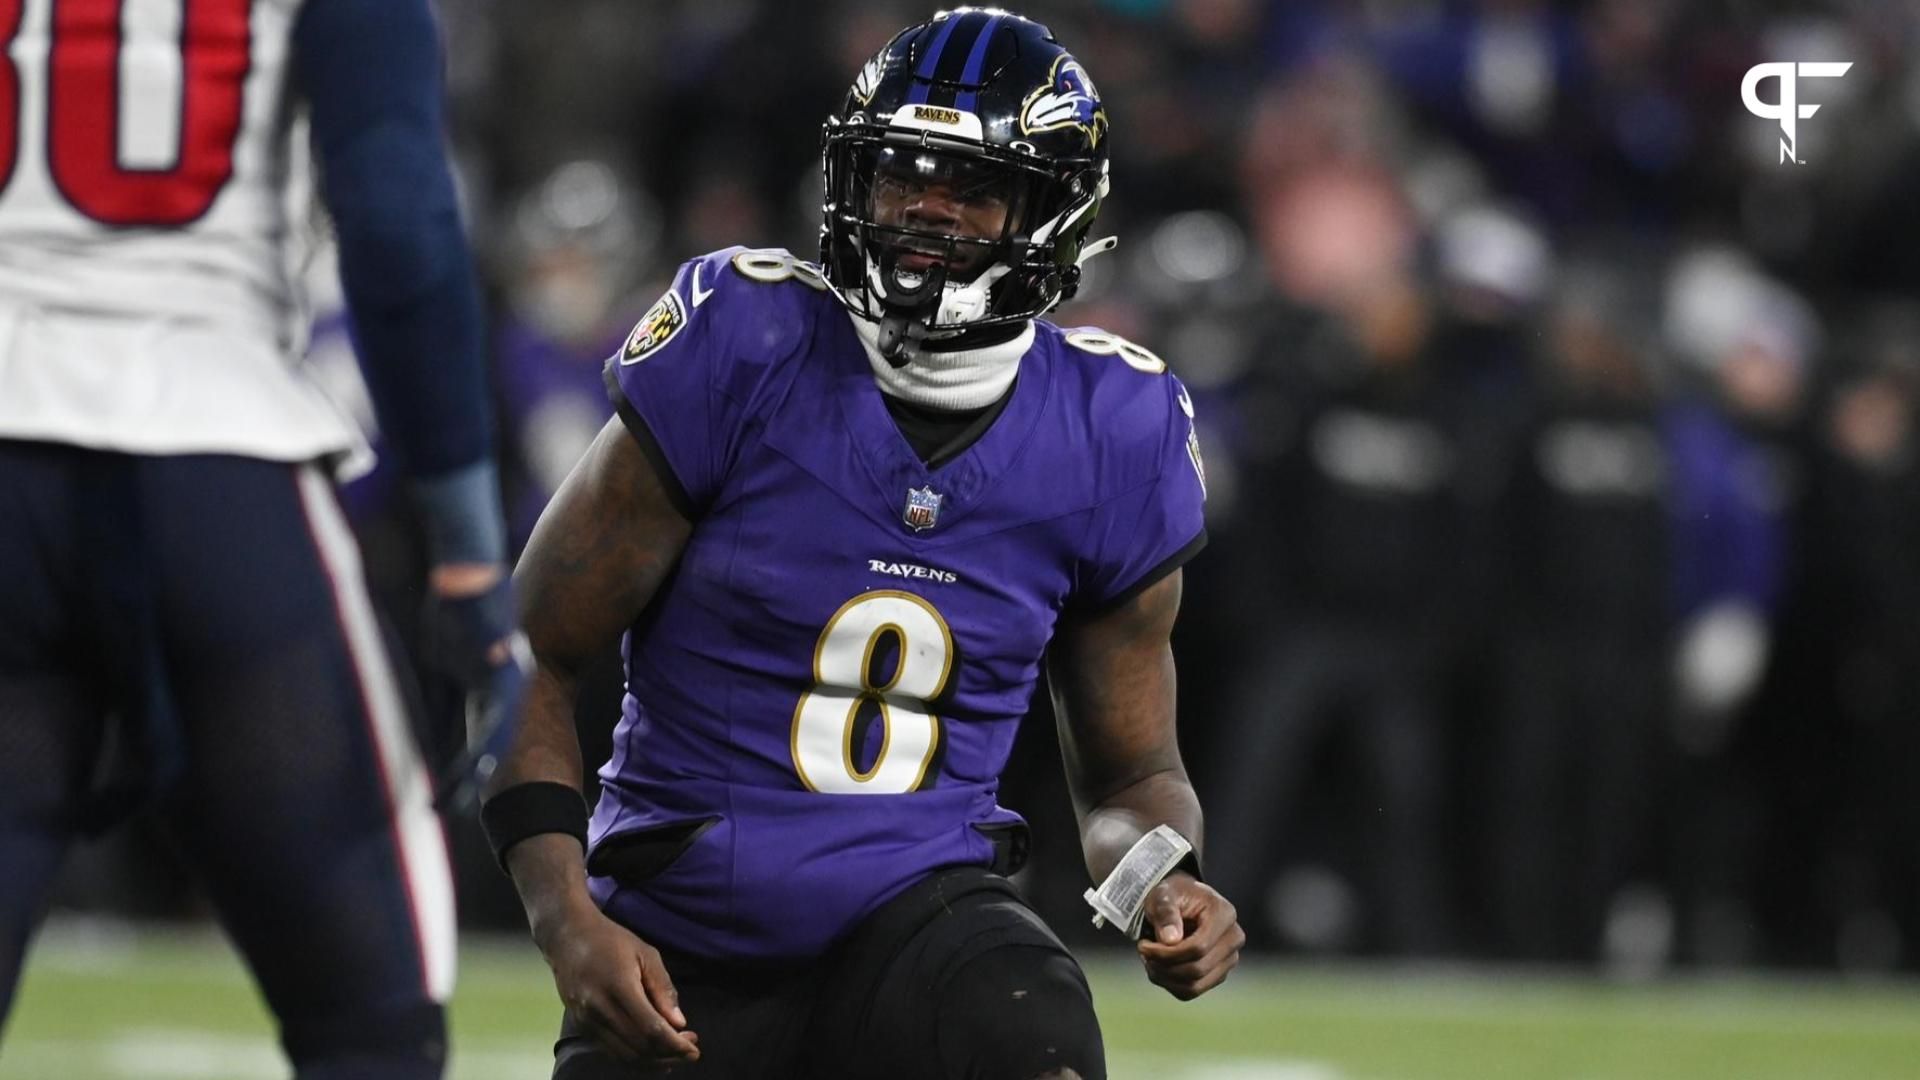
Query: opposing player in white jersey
[{"x": 183, "y": 620}]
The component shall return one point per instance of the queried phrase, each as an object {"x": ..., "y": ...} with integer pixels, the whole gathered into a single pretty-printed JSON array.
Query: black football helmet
[{"x": 986, "y": 106}]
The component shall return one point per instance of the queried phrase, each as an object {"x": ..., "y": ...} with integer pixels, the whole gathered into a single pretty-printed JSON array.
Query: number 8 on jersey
[{"x": 826, "y": 723}]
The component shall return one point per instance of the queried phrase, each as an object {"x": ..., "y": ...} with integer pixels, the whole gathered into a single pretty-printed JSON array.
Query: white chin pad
[{"x": 961, "y": 304}]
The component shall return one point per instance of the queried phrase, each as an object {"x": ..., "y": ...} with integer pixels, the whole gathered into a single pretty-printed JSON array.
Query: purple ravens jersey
[{"x": 824, "y": 692}]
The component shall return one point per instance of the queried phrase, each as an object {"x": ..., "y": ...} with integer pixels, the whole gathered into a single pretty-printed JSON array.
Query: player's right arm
[
  {"x": 599, "y": 553},
  {"x": 606, "y": 541}
]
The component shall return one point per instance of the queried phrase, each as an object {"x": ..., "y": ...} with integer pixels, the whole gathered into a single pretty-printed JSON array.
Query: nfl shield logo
[{"x": 923, "y": 508}]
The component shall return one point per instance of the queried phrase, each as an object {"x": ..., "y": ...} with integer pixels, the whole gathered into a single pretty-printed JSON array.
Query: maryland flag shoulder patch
[{"x": 663, "y": 320}]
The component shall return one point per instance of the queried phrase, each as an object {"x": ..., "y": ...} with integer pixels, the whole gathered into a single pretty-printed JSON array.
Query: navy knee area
[
  {"x": 403, "y": 1042},
  {"x": 1019, "y": 1012}
]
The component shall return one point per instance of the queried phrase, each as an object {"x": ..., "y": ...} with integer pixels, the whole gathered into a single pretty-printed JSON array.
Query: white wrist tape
[{"x": 1122, "y": 898}]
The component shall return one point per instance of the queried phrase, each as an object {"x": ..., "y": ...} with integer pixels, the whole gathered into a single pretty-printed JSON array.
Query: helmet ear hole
[
  {"x": 1069, "y": 284},
  {"x": 1063, "y": 283}
]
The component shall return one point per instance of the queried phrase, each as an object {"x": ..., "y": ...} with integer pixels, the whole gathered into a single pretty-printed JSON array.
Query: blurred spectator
[
  {"x": 1351, "y": 484},
  {"x": 1739, "y": 477},
  {"x": 1867, "y": 521},
  {"x": 1582, "y": 705},
  {"x": 1745, "y": 344},
  {"x": 581, "y": 245},
  {"x": 1829, "y": 873}
]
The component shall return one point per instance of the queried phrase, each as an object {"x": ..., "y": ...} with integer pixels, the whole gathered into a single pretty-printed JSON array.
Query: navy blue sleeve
[{"x": 370, "y": 73}]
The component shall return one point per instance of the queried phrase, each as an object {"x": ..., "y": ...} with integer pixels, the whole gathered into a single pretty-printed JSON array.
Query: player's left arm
[
  {"x": 1112, "y": 678},
  {"x": 370, "y": 74}
]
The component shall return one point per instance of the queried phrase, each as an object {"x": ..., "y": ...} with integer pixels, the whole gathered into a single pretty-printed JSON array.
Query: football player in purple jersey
[{"x": 845, "y": 515}]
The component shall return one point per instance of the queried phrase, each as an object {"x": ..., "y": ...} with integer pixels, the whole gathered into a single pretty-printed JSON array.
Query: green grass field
[{"x": 115, "y": 1005}]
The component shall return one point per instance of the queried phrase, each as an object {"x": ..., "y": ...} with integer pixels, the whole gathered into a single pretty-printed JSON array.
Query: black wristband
[{"x": 532, "y": 808}]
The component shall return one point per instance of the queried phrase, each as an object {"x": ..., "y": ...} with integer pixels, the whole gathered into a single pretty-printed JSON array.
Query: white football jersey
[{"x": 153, "y": 221}]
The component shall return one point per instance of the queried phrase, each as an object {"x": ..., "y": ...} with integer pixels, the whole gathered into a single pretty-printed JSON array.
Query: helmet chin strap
[
  {"x": 897, "y": 336},
  {"x": 909, "y": 298},
  {"x": 910, "y": 310}
]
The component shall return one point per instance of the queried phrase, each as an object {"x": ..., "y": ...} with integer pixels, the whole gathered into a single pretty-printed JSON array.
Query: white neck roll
[{"x": 964, "y": 379}]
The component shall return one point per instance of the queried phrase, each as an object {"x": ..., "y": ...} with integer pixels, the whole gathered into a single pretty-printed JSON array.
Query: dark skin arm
[
  {"x": 601, "y": 549},
  {"x": 1113, "y": 692}
]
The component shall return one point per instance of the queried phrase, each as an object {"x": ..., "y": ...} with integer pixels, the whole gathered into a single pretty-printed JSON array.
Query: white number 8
[
  {"x": 770, "y": 266},
  {"x": 1101, "y": 343},
  {"x": 825, "y": 721}
]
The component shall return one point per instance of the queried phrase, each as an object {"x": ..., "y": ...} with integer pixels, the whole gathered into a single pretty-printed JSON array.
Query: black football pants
[{"x": 955, "y": 979}]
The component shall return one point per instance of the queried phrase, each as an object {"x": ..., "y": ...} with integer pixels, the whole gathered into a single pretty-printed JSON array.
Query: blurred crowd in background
[{"x": 1563, "y": 600}]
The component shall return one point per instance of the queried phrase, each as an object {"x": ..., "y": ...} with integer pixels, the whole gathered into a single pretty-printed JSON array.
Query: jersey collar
[{"x": 890, "y": 461}]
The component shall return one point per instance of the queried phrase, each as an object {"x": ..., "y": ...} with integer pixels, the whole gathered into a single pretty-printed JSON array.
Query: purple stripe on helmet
[
  {"x": 968, "y": 100},
  {"x": 923, "y": 78}
]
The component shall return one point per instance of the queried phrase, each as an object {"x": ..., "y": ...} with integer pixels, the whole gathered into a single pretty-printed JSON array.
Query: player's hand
[
  {"x": 472, "y": 637},
  {"x": 616, "y": 986},
  {"x": 1195, "y": 936}
]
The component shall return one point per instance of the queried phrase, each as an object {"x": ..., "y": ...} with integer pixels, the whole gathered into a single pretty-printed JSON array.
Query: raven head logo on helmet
[{"x": 963, "y": 174}]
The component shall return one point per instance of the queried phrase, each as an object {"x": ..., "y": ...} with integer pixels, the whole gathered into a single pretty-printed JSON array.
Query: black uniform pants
[{"x": 954, "y": 979}]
